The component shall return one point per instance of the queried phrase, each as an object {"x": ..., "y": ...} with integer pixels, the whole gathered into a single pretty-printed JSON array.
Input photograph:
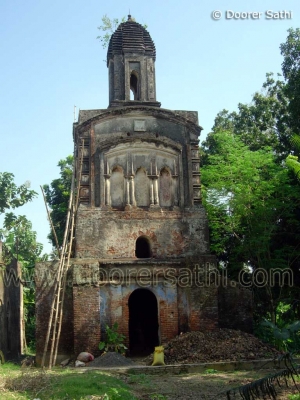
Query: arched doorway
[{"x": 143, "y": 322}]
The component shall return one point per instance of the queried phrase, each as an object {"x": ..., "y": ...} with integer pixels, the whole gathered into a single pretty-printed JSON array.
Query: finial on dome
[{"x": 129, "y": 17}]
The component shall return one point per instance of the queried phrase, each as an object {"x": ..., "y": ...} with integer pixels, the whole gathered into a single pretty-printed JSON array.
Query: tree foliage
[
  {"x": 251, "y": 196},
  {"x": 109, "y": 25},
  {"x": 263, "y": 122},
  {"x": 20, "y": 242},
  {"x": 19, "y": 239},
  {"x": 292, "y": 161},
  {"x": 57, "y": 196},
  {"x": 290, "y": 51},
  {"x": 272, "y": 117},
  {"x": 251, "y": 203},
  {"x": 11, "y": 195}
]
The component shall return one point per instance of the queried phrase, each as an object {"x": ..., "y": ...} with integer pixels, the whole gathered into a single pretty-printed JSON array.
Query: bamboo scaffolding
[
  {"x": 57, "y": 288},
  {"x": 73, "y": 216},
  {"x": 56, "y": 311}
]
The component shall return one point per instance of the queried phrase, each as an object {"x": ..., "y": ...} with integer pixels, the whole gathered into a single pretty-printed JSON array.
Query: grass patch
[
  {"x": 69, "y": 386},
  {"x": 20, "y": 384},
  {"x": 142, "y": 379},
  {"x": 211, "y": 371}
]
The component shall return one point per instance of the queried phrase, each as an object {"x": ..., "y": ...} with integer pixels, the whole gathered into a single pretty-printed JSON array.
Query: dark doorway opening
[
  {"x": 142, "y": 247},
  {"x": 134, "y": 85},
  {"x": 143, "y": 322}
]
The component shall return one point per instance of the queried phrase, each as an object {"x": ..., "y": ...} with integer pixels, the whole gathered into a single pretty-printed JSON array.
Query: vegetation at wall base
[{"x": 114, "y": 340}]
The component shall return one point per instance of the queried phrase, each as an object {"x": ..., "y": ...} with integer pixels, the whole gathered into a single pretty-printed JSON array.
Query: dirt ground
[{"x": 197, "y": 386}]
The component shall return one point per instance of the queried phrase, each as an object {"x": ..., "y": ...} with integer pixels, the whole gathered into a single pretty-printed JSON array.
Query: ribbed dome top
[{"x": 130, "y": 37}]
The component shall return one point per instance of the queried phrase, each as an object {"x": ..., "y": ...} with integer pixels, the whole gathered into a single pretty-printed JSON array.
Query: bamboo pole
[
  {"x": 73, "y": 214},
  {"x": 51, "y": 223},
  {"x": 57, "y": 284},
  {"x": 60, "y": 275},
  {"x": 55, "y": 321}
]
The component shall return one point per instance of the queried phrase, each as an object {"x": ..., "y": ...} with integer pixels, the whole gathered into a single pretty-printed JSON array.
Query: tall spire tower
[{"x": 131, "y": 64}]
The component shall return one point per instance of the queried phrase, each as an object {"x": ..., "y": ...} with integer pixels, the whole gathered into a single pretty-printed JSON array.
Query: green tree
[
  {"x": 263, "y": 122},
  {"x": 20, "y": 242},
  {"x": 272, "y": 117},
  {"x": 16, "y": 233},
  {"x": 11, "y": 195},
  {"x": 292, "y": 160},
  {"x": 57, "y": 196},
  {"x": 251, "y": 197},
  {"x": 290, "y": 51},
  {"x": 253, "y": 209}
]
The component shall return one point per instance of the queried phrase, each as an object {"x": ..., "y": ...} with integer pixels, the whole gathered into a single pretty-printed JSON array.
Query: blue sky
[{"x": 52, "y": 61}]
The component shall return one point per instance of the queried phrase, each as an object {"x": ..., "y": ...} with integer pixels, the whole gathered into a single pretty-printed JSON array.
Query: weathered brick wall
[
  {"x": 188, "y": 299},
  {"x": 113, "y": 234},
  {"x": 235, "y": 307},
  {"x": 168, "y": 313},
  {"x": 86, "y": 303},
  {"x": 182, "y": 305},
  {"x": 44, "y": 280},
  {"x": 11, "y": 310}
]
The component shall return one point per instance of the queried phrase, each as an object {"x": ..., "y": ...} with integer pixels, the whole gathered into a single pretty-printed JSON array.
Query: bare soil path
[{"x": 197, "y": 386}]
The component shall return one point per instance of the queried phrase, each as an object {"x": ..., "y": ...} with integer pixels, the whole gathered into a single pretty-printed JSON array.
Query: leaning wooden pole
[
  {"x": 51, "y": 316},
  {"x": 51, "y": 222}
]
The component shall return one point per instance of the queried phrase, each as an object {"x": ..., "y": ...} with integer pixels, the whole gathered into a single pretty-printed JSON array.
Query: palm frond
[
  {"x": 293, "y": 164},
  {"x": 295, "y": 140}
]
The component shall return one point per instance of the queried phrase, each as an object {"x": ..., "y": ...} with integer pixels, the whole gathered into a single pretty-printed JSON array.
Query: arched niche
[
  {"x": 117, "y": 187},
  {"x": 165, "y": 188},
  {"x": 143, "y": 247},
  {"x": 142, "y": 192}
]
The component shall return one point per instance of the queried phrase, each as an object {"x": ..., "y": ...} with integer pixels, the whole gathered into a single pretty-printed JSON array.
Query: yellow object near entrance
[{"x": 158, "y": 357}]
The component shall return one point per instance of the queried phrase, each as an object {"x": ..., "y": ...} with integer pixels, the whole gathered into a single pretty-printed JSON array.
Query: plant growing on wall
[
  {"x": 114, "y": 340},
  {"x": 108, "y": 27}
]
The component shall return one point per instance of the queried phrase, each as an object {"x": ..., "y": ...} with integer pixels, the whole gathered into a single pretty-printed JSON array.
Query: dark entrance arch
[{"x": 143, "y": 322}]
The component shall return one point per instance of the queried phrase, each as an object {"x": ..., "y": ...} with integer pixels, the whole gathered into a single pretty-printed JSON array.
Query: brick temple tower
[
  {"x": 141, "y": 230},
  {"x": 141, "y": 208}
]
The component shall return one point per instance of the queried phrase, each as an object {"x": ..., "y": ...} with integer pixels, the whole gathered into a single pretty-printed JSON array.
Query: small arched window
[
  {"x": 142, "y": 247},
  {"x": 134, "y": 85}
]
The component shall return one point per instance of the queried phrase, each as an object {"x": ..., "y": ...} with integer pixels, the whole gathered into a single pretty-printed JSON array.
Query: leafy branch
[
  {"x": 114, "y": 341},
  {"x": 108, "y": 27}
]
